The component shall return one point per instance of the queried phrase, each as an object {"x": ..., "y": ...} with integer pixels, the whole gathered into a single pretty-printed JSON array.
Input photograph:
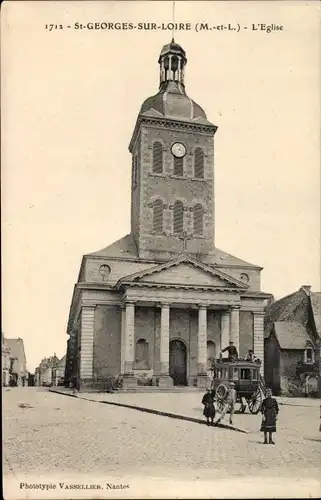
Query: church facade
[{"x": 160, "y": 303}]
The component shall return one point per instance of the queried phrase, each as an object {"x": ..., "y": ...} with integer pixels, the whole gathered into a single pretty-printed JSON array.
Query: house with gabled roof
[
  {"x": 292, "y": 338},
  {"x": 157, "y": 304},
  {"x": 18, "y": 374}
]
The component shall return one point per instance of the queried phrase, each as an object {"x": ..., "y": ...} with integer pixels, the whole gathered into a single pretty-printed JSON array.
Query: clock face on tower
[{"x": 178, "y": 149}]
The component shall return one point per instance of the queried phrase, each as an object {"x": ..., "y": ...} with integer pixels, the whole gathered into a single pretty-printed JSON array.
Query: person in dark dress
[
  {"x": 209, "y": 408},
  {"x": 270, "y": 410},
  {"x": 232, "y": 352}
]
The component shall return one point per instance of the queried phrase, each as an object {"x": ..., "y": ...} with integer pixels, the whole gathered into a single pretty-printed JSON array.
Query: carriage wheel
[
  {"x": 220, "y": 396},
  {"x": 220, "y": 405},
  {"x": 255, "y": 402}
]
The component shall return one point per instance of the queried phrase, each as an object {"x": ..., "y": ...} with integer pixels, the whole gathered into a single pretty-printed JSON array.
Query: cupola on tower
[{"x": 172, "y": 147}]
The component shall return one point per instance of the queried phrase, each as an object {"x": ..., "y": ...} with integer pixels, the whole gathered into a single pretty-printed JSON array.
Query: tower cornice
[{"x": 166, "y": 123}]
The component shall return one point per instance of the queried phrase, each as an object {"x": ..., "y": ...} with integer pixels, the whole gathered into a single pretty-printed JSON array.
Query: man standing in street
[
  {"x": 229, "y": 403},
  {"x": 232, "y": 352}
]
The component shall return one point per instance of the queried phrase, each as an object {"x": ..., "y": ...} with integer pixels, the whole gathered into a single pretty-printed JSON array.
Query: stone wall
[
  {"x": 246, "y": 332},
  {"x": 289, "y": 382},
  {"x": 107, "y": 342}
]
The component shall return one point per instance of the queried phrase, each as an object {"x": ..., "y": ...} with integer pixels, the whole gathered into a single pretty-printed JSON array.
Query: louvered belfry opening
[
  {"x": 178, "y": 166},
  {"x": 198, "y": 214},
  {"x": 199, "y": 163},
  {"x": 157, "y": 158},
  {"x": 158, "y": 216},
  {"x": 178, "y": 217}
]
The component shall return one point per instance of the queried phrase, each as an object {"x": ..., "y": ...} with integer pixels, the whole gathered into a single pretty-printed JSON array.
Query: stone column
[
  {"x": 225, "y": 331},
  {"x": 235, "y": 327},
  {"x": 202, "y": 347},
  {"x": 86, "y": 347},
  {"x": 164, "y": 379},
  {"x": 258, "y": 340},
  {"x": 129, "y": 381},
  {"x": 123, "y": 339}
]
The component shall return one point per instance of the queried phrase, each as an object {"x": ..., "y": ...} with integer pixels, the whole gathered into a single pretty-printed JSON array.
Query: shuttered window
[
  {"x": 158, "y": 216},
  {"x": 157, "y": 158},
  {"x": 178, "y": 215},
  {"x": 178, "y": 166},
  {"x": 198, "y": 219},
  {"x": 199, "y": 164}
]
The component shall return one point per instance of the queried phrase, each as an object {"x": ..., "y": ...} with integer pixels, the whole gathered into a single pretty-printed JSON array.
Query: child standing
[{"x": 209, "y": 408}]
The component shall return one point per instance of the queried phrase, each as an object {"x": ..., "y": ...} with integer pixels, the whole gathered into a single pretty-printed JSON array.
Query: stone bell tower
[{"x": 172, "y": 147}]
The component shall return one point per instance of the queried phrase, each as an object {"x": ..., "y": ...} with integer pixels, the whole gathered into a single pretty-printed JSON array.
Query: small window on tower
[
  {"x": 198, "y": 215},
  {"x": 157, "y": 158},
  {"x": 178, "y": 166},
  {"x": 178, "y": 216},
  {"x": 199, "y": 164},
  {"x": 158, "y": 216}
]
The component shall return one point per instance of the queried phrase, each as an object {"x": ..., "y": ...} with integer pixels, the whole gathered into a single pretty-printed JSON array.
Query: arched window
[
  {"x": 178, "y": 217},
  {"x": 158, "y": 216},
  {"x": 157, "y": 158},
  {"x": 174, "y": 64},
  {"x": 198, "y": 216},
  {"x": 178, "y": 166},
  {"x": 211, "y": 353},
  {"x": 199, "y": 163},
  {"x": 142, "y": 355}
]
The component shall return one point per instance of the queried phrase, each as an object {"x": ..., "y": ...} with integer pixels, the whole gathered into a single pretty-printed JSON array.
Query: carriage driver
[
  {"x": 232, "y": 351},
  {"x": 229, "y": 403}
]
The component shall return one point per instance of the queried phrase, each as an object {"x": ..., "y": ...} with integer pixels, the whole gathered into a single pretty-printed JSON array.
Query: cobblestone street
[{"x": 59, "y": 438}]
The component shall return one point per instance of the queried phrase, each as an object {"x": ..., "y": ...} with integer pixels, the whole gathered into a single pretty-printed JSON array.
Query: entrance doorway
[{"x": 177, "y": 362}]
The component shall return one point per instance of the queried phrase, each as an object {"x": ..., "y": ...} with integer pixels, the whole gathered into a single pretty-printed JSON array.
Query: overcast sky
[{"x": 70, "y": 99}]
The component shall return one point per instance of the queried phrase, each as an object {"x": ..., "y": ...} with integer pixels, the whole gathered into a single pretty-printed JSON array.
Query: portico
[
  {"x": 198, "y": 304},
  {"x": 162, "y": 376}
]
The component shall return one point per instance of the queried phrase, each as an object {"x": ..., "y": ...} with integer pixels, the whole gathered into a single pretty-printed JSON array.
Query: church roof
[
  {"x": 172, "y": 102},
  {"x": 126, "y": 247},
  {"x": 291, "y": 335}
]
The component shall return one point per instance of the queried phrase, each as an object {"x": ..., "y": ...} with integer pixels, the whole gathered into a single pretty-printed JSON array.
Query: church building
[{"x": 160, "y": 303}]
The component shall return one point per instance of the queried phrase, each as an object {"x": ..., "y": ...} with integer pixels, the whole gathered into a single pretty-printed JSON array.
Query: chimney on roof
[{"x": 306, "y": 289}]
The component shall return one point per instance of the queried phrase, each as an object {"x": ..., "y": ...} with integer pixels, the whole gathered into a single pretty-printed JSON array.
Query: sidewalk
[
  {"x": 182, "y": 406},
  {"x": 187, "y": 406}
]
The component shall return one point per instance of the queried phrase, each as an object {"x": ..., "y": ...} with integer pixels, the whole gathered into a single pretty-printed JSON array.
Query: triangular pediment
[{"x": 185, "y": 272}]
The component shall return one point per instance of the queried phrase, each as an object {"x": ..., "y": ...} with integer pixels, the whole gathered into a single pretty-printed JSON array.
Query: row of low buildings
[
  {"x": 51, "y": 371},
  {"x": 14, "y": 363}
]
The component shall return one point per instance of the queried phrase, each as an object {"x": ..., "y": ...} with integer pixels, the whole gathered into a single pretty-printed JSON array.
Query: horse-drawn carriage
[{"x": 248, "y": 382}]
